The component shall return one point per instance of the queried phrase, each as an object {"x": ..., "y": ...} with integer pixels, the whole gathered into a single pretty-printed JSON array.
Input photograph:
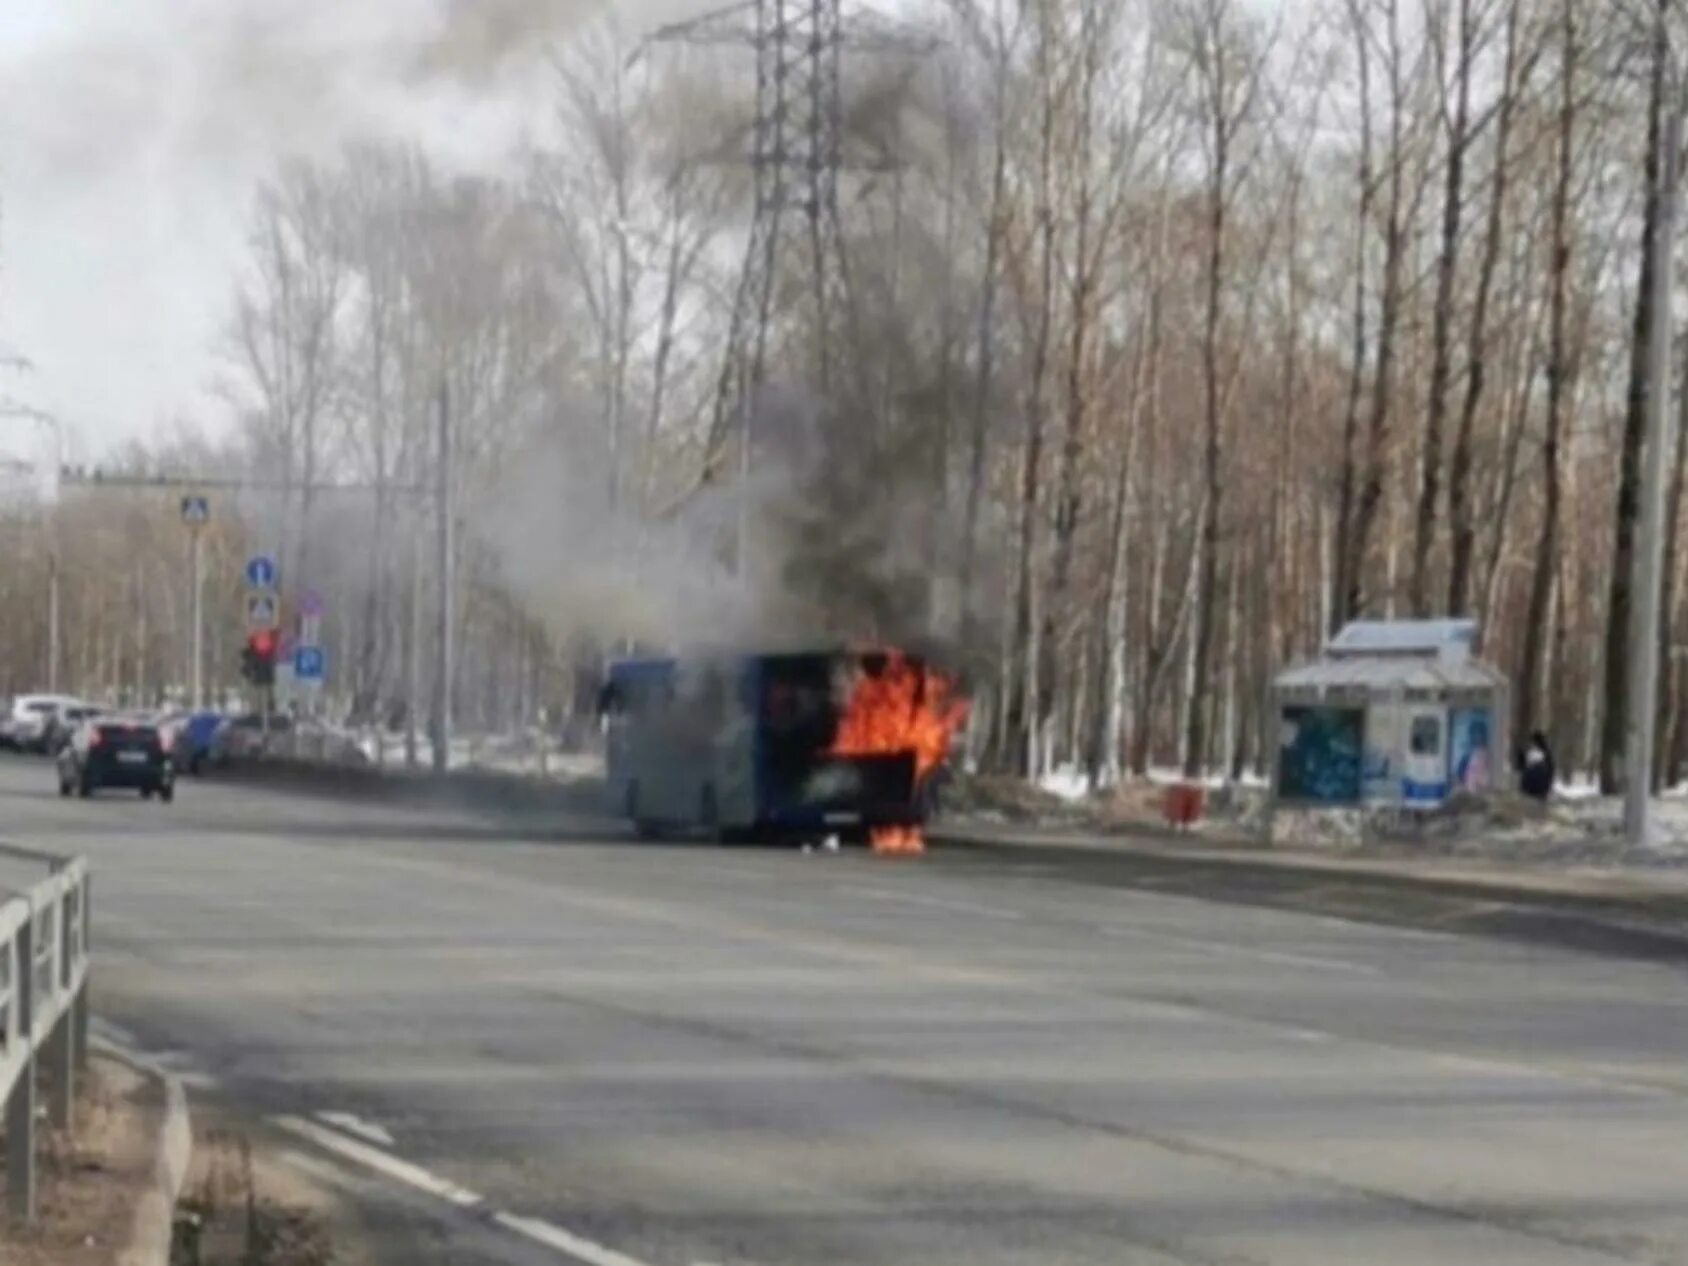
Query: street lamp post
[
  {"x": 48, "y": 420},
  {"x": 1643, "y": 684},
  {"x": 54, "y": 638}
]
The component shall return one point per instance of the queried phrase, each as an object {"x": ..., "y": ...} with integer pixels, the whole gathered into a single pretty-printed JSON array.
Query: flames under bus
[{"x": 747, "y": 747}]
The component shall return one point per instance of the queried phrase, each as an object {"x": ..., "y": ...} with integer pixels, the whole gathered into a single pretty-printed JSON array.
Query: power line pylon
[{"x": 797, "y": 153}]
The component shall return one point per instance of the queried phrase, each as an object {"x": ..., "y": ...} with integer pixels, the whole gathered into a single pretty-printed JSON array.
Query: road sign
[
  {"x": 263, "y": 612},
  {"x": 260, "y": 572},
  {"x": 310, "y": 663},
  {"x": 196, "y": 511},
  {"x": 311, "y": 604}
]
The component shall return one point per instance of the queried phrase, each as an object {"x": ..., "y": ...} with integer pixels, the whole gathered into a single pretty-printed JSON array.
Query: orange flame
[
  {"x": 890, "y": 841},
  {"x": 902, "y": 707}
]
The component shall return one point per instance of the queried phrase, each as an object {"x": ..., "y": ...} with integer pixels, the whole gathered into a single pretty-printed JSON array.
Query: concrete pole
[
  {"x": 1649, "y": 559},
  {"x": 196, "y": 690},
  {"x": 747, "y": 439},
  {"x": 413, "y": 652},
  {"x": 53, "y": 653},
  {"x": 447, "y": 583}
]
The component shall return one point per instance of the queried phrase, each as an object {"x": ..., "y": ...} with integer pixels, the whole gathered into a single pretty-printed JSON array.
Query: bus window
[{"x": 712, "y": 698}]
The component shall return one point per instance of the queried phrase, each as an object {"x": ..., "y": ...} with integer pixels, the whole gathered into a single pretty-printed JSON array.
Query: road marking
[
  {"x": 114, "y": 1033},
  {"x": 553, "y": 1236},
  {"x": 1313, "y": 1037},
  {"x": 1230, "y": 950},
  {"x": 935, "y": 903},
  {"x": 351, "y": 1123},
  {"x": 1380, "y": 930},
  {"x": 537, "y": 1230},
  {"x": 382, "y": 1162}
]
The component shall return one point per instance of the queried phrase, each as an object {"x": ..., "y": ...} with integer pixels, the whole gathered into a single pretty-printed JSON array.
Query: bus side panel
[
  {"x": 755, "y": 684},
  {"x": 735, "y": 751}
]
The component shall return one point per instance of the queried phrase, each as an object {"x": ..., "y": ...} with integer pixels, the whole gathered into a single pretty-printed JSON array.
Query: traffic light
[{"x": 257, "y": 661}]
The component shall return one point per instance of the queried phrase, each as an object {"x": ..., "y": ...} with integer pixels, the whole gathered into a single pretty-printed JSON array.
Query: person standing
[{"x": 1535, "y": 768}]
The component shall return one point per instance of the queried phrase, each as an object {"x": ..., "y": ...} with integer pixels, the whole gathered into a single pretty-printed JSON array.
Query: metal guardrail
[{"x": 44, "y": 952}]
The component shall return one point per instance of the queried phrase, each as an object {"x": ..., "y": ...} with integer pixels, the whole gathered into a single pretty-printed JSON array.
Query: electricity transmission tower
[{"x": 796, "y": 155}]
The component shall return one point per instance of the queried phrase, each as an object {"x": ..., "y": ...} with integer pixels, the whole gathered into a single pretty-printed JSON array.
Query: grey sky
[{"x": 132, "y": 133}]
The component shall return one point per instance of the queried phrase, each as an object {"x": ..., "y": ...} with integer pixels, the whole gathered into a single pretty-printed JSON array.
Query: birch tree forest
[{"x": 1180, "y": 332}]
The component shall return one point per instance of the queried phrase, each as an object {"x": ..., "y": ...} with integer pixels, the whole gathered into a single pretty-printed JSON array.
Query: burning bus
[{"x": 744, "y": 746}]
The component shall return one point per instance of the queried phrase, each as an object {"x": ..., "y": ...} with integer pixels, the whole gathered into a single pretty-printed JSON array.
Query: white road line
[
  {"x": 114, "y": 1033},
  {"x": 537, "y": 1230},
  {"x": 351, "y": 1123},
  {"x": 1228, "y": 949},
  {"x": 382, "y": 1162},
  {"x": 1381, "y": 931},
  {"x": 553, "y": 1236},
  {"x": 935, "y": 903}
]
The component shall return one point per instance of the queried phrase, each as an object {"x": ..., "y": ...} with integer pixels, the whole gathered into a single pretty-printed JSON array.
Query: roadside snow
[
  {"x": 1587, "y": 830},
  {"x": 1067, "y": 783},
  {"x": 1578, "y": 830},
  {"x": 1072, "y": 785}
]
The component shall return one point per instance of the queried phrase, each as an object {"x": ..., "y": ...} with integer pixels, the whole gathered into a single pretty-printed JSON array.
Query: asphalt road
[{"x": 759, "y": 1058}]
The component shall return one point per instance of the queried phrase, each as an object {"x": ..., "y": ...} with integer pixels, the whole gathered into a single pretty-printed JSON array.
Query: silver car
[{"x": 29, "y": 725}]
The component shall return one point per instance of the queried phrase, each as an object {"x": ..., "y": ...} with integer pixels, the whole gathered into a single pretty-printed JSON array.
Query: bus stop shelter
[{"x": 1392, "y": 715}]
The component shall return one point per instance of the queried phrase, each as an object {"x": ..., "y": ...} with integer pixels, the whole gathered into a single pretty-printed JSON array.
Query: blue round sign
[{"x": 260, "y": 572}]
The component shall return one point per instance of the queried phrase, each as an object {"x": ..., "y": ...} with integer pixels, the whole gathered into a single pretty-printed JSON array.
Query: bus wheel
[
  {"x": 645, "y": 828},
  {"x": 709, "y": 816}
]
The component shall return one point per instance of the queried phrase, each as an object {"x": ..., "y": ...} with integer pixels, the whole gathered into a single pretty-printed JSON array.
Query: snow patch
[{"x": 1067, "y": 783}]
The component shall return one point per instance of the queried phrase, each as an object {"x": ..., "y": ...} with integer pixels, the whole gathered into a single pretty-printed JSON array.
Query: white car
[{"x": 31, "y": 719}]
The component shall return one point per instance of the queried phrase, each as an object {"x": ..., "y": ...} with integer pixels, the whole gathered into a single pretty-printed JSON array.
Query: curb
[
  {"x": 1603, "y": 917},
  {"x": 153, "y": 1230}
]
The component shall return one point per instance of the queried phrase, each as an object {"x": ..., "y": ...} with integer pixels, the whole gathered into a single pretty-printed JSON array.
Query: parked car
[
  {"x": 29, "y": 720},
  {"x": 63, "y": 723},
  {"x": 189, "y": 740},
  {"x": 116, "y": 752},
  {"x": 246, "y": 736},
  {"x": 167, "y": 721}
]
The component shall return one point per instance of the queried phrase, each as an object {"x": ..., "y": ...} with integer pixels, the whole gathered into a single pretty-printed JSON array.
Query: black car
[{"x": 113, "y": 752}]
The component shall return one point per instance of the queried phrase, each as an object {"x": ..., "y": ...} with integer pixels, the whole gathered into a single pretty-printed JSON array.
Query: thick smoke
[
  {"x": 175, "y": 82},
  {"x": 476, "y": 38},
  {"x": 602, "y": 570},
  {"x": 838, "y": 542}
]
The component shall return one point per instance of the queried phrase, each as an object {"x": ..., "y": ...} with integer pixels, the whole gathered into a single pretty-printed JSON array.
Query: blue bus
[{"x": 739, "y": 747}]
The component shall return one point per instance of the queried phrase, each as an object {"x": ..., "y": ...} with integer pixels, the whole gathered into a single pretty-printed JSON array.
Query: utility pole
[
  {"x": 1649, "y": 558},
  {"x": 413, "y": 651},
  {"x": 50, "y": 518},
  {"x": 196, "y": 513},
  {"x": 53, "y": 607},
  {"x": 54, "y": 638},
  {"x": 196, "y": 687},
  {"x": 447, "y": 583}
]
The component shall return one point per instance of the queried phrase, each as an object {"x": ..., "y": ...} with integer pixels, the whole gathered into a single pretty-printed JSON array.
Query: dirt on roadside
[
  {"x": 237, "y": 1209},
  {"x": 251, "y": 1200},
  {"x": 92, "y": 1178}
]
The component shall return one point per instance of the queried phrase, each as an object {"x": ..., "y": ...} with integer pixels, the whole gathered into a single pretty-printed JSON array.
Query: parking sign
[{"x": 310, "y": 663}]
